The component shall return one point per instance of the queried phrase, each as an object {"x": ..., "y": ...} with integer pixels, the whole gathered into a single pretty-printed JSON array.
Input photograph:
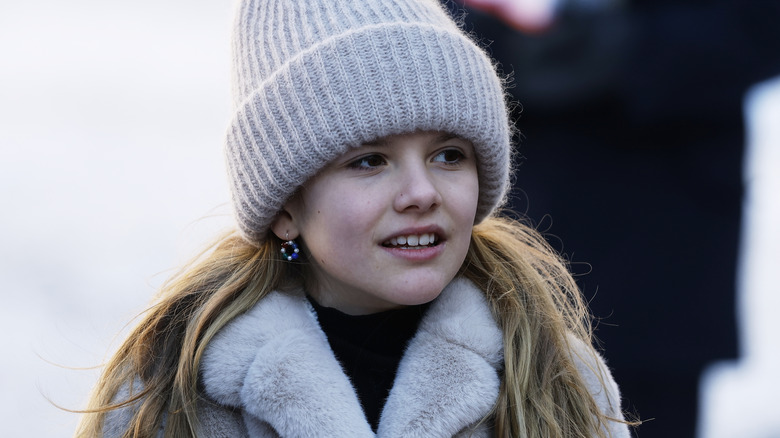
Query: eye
[
  {"x": 367, "y": 162},
  {"x": 449, "y": 157}
]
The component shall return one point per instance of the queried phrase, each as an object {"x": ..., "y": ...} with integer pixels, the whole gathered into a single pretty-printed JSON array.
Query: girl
[{"x": 370, "y": 288}]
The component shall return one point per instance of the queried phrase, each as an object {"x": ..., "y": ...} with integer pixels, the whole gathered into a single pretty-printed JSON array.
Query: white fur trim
[{"x": 275, "y": 364}]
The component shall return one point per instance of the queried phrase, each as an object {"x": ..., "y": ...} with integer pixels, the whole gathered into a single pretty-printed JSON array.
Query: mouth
[{"x": 412, "y": 241}]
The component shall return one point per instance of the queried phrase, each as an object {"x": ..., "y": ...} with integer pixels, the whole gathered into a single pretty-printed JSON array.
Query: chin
[{"x": 417, "y": 297}]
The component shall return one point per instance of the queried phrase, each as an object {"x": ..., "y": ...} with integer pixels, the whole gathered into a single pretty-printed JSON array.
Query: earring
[{"x": 290, "y": 249}]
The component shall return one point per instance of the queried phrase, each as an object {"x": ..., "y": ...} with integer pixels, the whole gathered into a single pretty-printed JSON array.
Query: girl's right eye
[{"x": 367, "y": 162}]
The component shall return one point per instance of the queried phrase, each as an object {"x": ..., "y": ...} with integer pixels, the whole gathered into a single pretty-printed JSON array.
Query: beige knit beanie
[{"x": 313, "y": 78}]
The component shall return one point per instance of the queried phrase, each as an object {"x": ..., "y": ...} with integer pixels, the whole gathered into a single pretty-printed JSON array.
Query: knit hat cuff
[{"x": 356, "y": 87}]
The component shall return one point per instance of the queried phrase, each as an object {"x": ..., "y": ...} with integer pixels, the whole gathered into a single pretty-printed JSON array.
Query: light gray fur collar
[{"x": 274, "y": 364}]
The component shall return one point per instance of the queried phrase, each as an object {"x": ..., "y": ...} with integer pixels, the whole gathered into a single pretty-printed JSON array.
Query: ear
[{"x": 284, "y": 226}]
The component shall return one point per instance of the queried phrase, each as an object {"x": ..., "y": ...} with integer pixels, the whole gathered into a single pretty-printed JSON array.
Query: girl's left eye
[
  {"x": 449, "y": 157},
  {"x": 367, "y": 162}
]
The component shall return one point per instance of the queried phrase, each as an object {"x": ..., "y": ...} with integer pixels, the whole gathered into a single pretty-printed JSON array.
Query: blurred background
[
  {"x": 637, "y": 121},
  {"x": 111, "y": 175},
  {"x": 648, "y": 154}
]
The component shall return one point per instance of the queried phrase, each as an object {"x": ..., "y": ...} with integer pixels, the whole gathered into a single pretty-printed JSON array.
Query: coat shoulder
[
  {"x": 596, "y": 375},
  {"x": 215, "y": 420}
]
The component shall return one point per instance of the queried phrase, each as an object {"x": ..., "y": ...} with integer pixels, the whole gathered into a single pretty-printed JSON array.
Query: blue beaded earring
[{"x": 290, "y": 249}]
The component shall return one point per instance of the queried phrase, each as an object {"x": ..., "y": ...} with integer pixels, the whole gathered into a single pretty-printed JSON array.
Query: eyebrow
[
  {"x": 441, "y": 138},
  {"x": 445, "y": 136}
]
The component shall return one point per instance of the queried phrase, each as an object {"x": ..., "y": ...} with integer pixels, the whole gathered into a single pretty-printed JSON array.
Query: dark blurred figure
[{"x": 632, "y": 142}]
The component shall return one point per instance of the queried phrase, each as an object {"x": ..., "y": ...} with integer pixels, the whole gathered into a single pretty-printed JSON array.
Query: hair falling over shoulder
[
  {"x": 532, "y": 294},
  {"x": 540, "y": 309},
  {"x": 162, "y": 353}
]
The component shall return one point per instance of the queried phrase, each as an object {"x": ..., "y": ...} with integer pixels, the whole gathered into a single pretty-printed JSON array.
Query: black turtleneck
[{"x": 369, "y": 348}]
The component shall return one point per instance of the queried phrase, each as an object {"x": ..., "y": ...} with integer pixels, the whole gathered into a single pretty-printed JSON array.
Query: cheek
[
  {"x": 351, "y": 215},
  {"x": 336, "y": 226},
  {"x": 463, "y": 199}
]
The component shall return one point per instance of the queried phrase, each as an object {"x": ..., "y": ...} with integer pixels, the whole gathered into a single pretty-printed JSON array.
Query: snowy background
[{"x": 111, "y": 175}]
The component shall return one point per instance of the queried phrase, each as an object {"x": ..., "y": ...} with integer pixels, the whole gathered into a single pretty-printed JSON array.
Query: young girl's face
[{"x": 387, "y": 224}]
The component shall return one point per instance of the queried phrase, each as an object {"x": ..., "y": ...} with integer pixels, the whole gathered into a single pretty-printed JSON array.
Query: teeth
[{"x": 412, "y": 240}]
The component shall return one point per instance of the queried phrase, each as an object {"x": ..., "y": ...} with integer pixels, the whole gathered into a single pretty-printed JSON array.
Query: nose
[{"x": 418, "y": 191}]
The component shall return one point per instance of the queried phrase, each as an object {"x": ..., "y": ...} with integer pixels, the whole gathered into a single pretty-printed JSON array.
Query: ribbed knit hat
[{"x": 313, "y": 78}]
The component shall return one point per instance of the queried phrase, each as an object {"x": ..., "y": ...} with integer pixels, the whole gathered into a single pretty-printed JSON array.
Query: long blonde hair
[{"x": 528, "y": 286}]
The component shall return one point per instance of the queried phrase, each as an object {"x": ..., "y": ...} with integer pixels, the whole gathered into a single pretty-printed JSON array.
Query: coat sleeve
[{"x": 602, "y": 386}]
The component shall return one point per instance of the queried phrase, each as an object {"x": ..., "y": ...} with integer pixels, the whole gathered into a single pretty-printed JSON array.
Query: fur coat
[{"x": 270, "y": 372}]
